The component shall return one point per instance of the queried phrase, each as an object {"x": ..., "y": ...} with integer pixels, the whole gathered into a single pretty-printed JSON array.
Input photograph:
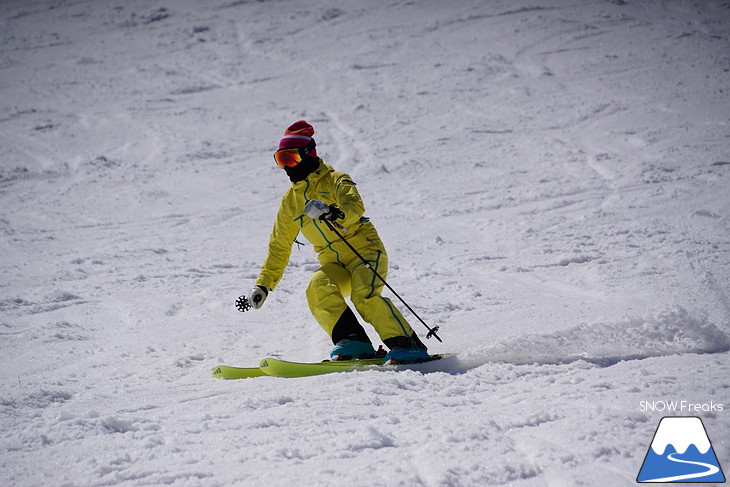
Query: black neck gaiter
[{"x": 303, "y": 169}]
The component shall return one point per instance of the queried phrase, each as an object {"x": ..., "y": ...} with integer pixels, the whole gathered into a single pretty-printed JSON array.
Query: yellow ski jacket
[{"x": 331, "y": 187}]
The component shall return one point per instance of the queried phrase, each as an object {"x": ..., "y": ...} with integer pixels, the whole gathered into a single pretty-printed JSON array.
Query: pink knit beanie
[{"x": 298, "y": 135}]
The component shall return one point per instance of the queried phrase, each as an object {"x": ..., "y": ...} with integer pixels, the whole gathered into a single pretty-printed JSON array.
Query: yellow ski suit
[{"x": 341, "y": 273}]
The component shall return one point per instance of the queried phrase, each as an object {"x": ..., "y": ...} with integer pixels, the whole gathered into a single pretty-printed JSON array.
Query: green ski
[
  {"x": 282, "y": 368},
  {"x": 227, "y": 372}
]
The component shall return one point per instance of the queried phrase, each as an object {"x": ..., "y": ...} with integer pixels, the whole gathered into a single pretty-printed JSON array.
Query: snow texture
[{"x": 550, "y": 179}]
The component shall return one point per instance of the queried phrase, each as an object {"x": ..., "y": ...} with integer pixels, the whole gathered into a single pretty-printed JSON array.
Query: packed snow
[{"x": 550, "y": 179}]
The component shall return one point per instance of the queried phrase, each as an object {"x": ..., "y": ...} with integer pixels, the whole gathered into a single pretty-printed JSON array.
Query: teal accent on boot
[
  {"x": 407, "y": 356},
  {"x": 352, "y": 350}
]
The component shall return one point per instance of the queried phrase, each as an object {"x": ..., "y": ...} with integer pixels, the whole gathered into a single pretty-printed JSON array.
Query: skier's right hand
[{"x": 257, "y": 296}]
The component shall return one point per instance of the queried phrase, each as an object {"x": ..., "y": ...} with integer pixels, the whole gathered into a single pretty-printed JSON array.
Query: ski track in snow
[{"x": 550, "y": 180}]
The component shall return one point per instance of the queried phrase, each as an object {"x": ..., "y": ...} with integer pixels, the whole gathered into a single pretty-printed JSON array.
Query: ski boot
[
  {"x": 405, "y": 350},
  {"x": 352, "y": 350},
  {"x": 415, "y": 355}
]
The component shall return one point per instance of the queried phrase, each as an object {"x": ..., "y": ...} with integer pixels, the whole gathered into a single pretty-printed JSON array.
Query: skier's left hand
[
  {"x": 333, "y": 214},
  {"x": 319, "y": 210}
]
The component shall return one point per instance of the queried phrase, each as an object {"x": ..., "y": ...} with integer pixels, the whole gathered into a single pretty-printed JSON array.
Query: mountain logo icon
[{"x": 680, "y": 452}]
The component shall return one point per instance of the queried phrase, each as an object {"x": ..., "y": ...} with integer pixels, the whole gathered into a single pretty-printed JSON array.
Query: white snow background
[{"x": 551, "y": 180}]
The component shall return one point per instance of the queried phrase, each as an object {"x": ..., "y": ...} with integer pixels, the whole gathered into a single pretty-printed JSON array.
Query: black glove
[
  {"x": 321, "y": 211},
  {"x": 333, "y": 214}
]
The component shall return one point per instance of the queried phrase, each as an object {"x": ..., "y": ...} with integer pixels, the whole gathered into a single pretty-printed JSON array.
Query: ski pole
[{"x": 431, "y": 331}]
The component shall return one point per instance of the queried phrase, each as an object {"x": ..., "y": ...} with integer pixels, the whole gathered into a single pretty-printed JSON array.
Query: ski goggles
[
  {"x": 289, "y": 157},
  {"x": 293, "y": 156}
]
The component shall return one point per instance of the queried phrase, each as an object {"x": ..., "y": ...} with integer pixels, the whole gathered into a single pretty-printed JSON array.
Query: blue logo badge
[{"x": 680, "y": 452}]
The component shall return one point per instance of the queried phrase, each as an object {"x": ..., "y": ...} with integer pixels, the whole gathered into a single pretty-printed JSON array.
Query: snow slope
[{"x": 550, "y": 179}]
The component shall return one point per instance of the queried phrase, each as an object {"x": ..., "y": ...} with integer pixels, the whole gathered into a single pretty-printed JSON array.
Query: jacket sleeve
[
  {"x": 349, "y": 201},
  {"x": 282, "y": 238}
]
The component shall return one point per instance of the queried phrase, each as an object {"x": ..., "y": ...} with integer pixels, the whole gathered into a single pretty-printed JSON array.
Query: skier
[{"x": 331, "y": 195}]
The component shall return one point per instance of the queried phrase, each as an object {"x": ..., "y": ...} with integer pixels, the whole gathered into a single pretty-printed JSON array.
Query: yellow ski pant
[{"x": 334, "y": 281}]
